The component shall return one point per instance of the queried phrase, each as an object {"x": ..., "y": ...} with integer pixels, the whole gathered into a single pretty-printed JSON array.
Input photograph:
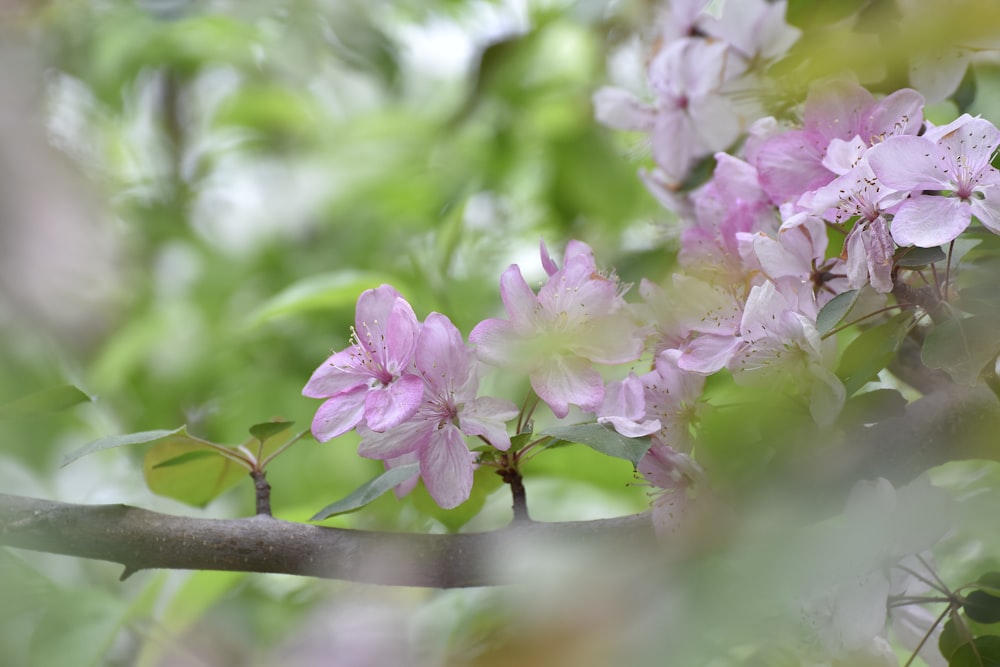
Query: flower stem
[
  {"x": 511, "y": 475},
  {"x": 263, "y": 492}
]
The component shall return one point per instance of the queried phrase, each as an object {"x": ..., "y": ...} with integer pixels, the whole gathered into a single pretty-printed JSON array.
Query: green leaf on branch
[
  {"x": 982, "y": 607},
  {"x": 52, "y": 399},
  {"x": 190, "y": 470},
  {"x": 603, "y": 439},
  {"x": 873, "y": 406},
  {"x": 963, "y": 346},
  {"x": 872, "y": 351},
  {"x": 912, "y": 258},
  {"x": 369, "y": 491},
  {"x": 267, "y": 430},
  {"x": 949, "y": 640},
  {"x": 835, "y": 310},
  {"x": 980, "y": 652},
  {"x": 186, "y": 457},
  {"x": 113, "y": 441}
]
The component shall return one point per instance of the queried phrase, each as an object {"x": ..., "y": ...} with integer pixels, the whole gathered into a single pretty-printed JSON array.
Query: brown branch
[{"x": 140, "y": 539}]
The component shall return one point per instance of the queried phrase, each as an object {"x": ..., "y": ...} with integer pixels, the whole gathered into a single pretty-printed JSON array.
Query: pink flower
[
  {"x": 372, "y": 380},
  {"x": 577, "y": 319},
  {"x": 953, "y": 160},
  {"x": 794, "y": 162},
  {"x": 677, "y": 476},
  {"x": 781, "y": 345},
  {"x": 434, "y": 435}
]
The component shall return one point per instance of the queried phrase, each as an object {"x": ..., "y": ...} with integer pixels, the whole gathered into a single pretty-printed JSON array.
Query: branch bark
[{"x": 140, "y": 539}]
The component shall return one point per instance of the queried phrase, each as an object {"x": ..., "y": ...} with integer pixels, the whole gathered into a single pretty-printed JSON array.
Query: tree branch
[
  {"x": 958, "y": 423},
  {"x": 140, "y": 539}
]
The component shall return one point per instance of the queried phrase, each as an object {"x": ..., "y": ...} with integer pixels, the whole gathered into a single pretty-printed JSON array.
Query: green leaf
[
  {"x": 962, "y": 346},
  {"x": 266, "y": 430},
  {"x": 52, "y": 399},
  {"x": 914, "y": 257},
  {"x": 835, "y": 310},
  {"x": 369, "y": 491},
  {"x": 871, "y": 351},
  {"x": 186, "y": 457},
  {"x": 949, "y": 641},
  {"x": 194, "y": 479},
  {"x": 323, "y": 292},
  {"x": 604, "y": 439},
  {"x": 980, "y": 652},
  {"x": 873, "y": 406},
  {"x": 118, "y": 441},
  {"x": 982, "y": 607}
]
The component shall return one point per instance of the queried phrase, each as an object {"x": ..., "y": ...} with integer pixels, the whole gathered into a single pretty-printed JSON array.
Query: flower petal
[
  {"x": 390, "y": 406},
  {"x": 442, "y": 357},
  {"x": 446, "y": 465},
  {"x": 339, "y": 414},
  {"x": 391, "y": 444},
  {"x": 929, "y": 220},
  {"x": 563, "y": 380}
]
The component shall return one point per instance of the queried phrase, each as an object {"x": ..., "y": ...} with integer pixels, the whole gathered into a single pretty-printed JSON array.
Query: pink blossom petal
[
  {"x": 562, "y": 380},
  {"x": 391, "y": 444},
  {"x": 621, "y": 110},
  {"x": 676, "y": 145},
  {"x": 928, "y": 221},
  {"x": 518, "y": 299},
  {"x": 547, "y": 262},
  {"x": 396, "y": 352},
  {"x": 608, "y": 340},
  {"x": 339, "y": 414},
  {"x": 487, "y": 417},
  {"x": 446, "y": 465},
  {"x": 390, "y": 406},
  {"x": 975, "y": 141},
  {"x": 987, "y": 210},
  {"x": 902, "y": 112},
  {"x": 441, "y": 354},
  {"x": 791, "y": 164},
  {"x": 373, "y": 310},
  {"x": 911, "y": 163},
  {"x": 707, "y": 354},
  {"x": 496, "y": 342},
  {"x": 630, "y": 428},
  {"x": 330, "y": 378}
]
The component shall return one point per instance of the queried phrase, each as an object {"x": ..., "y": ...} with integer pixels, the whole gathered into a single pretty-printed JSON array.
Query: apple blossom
[
  {"x": 434, "y": 435},
  {"x": 577, "y": 319},
  {"x": 372, "y": 380},
  {"x": 953, "y": 160}
]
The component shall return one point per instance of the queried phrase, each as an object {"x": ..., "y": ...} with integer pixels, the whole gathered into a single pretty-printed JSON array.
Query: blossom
[
  {"x": 869, "y": 247},
  {"x": 684, "y": 508},
  {"x": 690, "y": 119},
  {"x": 953, "y": 160},
  {"x": 434, "y": 436},
  {"x": 371, "y": 381},
  {"x": 779, "y": 343},
  {"x": 578, "y": 318},
  {"x": 794, "y": 162}
]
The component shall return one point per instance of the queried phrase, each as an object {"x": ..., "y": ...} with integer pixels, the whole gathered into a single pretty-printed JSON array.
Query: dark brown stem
[
  {"x": 262, "y": 491},
  {"x": 513, "y": 477}
]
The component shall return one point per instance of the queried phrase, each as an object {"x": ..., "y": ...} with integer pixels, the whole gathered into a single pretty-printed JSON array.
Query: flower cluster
[{"x": 410, "y": 390}]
